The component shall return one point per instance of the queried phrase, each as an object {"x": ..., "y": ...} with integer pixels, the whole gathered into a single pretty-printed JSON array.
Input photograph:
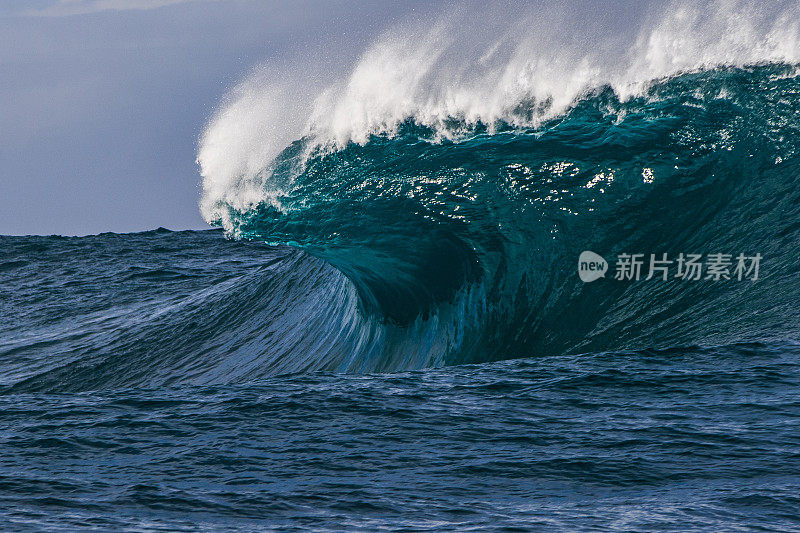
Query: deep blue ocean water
[{"x": 403, "y": 342}]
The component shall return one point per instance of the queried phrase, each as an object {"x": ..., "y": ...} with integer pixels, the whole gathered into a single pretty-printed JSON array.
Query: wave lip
[{"x": 477, "y": 67}]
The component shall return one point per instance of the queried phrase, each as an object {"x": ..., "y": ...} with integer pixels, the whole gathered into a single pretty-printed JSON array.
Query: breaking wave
[{"x": 463, "y": 164}]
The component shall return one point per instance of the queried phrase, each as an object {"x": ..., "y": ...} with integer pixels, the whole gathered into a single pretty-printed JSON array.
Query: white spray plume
[
  {"x": 258, "y": 119},
  {"x": 478, "y": 65}
]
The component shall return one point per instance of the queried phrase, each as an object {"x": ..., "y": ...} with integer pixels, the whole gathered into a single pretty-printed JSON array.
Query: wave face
[
  {"x": 465, "y": 250},
  {"x": 455, "y": 174}
]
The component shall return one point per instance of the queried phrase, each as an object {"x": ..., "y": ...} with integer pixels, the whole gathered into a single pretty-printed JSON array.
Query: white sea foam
[
  {"x": 519, "y": 65},
  {"x": 255, "y": 121}
]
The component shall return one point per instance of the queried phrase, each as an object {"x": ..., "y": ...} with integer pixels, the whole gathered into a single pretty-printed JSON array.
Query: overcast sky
[{"x": 102, "y": 101}]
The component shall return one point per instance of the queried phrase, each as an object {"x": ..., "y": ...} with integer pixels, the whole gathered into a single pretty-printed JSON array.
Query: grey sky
[{"x": 102, "y": 101}]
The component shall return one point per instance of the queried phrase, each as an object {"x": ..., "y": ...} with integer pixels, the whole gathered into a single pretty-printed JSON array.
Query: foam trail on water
[{"x": 518, "y": 66}]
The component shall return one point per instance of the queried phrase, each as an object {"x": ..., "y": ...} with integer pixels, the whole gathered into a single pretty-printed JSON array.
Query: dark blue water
[
  {"x": 405, "y": 343},
  {"x": 681, "y": 439}
]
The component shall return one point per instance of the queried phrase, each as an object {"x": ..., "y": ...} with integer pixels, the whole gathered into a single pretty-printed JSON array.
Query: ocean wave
[{"x": 482, "y": 233}]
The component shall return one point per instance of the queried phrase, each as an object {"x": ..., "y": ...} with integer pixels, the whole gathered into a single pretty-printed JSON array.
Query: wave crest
[{"x": 518, "y": 66}]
